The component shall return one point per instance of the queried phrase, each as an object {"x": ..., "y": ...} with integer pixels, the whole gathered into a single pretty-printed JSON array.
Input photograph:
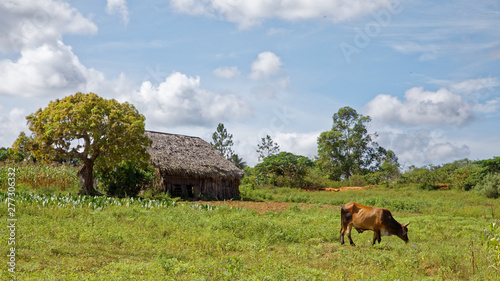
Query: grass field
[{"x": 68, "y": 237}]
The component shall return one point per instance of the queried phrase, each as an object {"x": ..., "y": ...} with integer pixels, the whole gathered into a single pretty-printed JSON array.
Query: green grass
[
  {"x": 408, "y": 200},
  {"x": 68, "y": 237}
]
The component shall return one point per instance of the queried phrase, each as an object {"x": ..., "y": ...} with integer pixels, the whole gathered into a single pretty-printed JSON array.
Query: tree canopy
[
  {"x": 286, "y": 164},
  {"x": 347, "y": 148},
  {"x": 99, "y": 131}
]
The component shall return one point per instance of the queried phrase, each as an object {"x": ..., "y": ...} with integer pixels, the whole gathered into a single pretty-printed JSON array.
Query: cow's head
[{"x": 404, "y": 232}]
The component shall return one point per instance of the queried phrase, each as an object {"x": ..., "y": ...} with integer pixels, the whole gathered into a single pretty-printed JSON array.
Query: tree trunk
[{"x": 87, "y": 179}]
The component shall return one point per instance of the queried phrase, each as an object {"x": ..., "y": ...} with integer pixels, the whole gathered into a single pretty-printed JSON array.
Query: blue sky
[{"x": 427, "y": 72}]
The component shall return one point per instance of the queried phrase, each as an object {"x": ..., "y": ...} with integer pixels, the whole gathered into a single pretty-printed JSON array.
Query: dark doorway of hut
[
  {"x": 190, "y": 193},
  {"x": 185, "y": 192},
  {"x": 176, "y": 191}
]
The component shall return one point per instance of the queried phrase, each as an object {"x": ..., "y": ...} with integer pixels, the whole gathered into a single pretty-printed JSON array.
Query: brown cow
[{"x": 379, "y": 220}]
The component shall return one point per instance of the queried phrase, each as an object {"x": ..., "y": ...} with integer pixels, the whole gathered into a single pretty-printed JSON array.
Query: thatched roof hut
[{"x": 191, "y": 167}]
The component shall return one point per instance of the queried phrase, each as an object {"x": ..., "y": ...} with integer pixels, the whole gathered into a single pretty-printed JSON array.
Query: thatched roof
[{"x": 180, "y": 155}]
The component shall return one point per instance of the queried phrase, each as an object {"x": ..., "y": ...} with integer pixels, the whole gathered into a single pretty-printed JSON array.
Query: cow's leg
[
  {"x": 349, "y": 228},
  {"x": 376, "y": 237},
  {"x": 343, "y": 229},
  {"x": 344, "y": 221},
  {"x": 342, "y": 232}
]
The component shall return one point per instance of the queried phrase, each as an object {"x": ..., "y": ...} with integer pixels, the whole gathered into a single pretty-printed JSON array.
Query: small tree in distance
[
  {"x": 267, "y": 148},
  {"x": 223, "y": 141},
  {"x": 100, "y": 132},
  {"x": 238, "y": 162}
]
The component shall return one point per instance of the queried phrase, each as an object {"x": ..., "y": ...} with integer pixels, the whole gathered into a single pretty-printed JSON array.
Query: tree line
[
  {"x": 106, "y": 139},
  {"x": 345, "y": 150},
  {"x": 348, "y": 155}
]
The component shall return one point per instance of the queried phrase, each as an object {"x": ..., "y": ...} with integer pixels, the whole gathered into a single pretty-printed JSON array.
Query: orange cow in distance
[{"x": 362, "y": 218}]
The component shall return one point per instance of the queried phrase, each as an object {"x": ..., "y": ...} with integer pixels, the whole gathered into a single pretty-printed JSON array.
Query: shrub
[
  {"x": 356, "y": 180},
  {"x": 490, "y": 187},
  {"x": 287, "y": 168},
  {"x": 126, "y": 180}
]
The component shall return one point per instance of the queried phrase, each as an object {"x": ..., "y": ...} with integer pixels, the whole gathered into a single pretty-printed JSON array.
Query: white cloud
[
  {"x": 45, "y": 70},
  {"x": 267, "y": 64},
  {"x": 53, "y": 69},
  {"x": 421, "y": 108},
  {"x": 250, "y": 13},
  {"x": 180, "y": 100},
  {"x": 304, "y": 144},
  {"x": 226, "y": 72},
  {"x": 474, "y": 86},
  {"x": 427, "y": 51},
  {"x": 31, "y": 23},
  {"x": 490, "y": 106},
  {"x": 421, "y": 146},
  {"x": 479, "y": 91},
  {"x": 46, "y": 66},
  {"x": 447, "y": 151},
  {"x": 118, "y": 7},
  {"x": 11, "y": 124},
  {"x": 470, "y": 87}
]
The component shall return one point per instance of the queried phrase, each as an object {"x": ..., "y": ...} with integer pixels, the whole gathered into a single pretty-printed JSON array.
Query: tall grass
[
  {"x": 69, "y": 237},
  {"x": 42, "y": 177}
]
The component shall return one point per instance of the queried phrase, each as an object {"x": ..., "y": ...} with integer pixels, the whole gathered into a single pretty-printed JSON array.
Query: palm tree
[{"x": 238, "y": 162}]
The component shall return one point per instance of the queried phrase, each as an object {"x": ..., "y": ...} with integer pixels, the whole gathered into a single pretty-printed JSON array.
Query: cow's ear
[{"x": 406, "y": 224}]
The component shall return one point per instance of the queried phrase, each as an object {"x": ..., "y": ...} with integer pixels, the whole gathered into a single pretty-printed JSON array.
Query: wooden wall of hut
[{"x": 201, "y": 188}]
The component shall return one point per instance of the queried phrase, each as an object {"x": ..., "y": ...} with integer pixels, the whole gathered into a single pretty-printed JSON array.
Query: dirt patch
[
  {"x": 443, "y": 186},
  {"x": 263, "y": 207},
  {"x": 340, "y": 189},
  {"x": 345, "y": 188}
]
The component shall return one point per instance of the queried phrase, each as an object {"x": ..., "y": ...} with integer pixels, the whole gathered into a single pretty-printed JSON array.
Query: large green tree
[
  {"x": 99, "y": 131},
  {"x": 347, "y": 148}
]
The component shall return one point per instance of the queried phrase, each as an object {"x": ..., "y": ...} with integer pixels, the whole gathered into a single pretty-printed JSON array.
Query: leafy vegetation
[
  {"x": 490, "y": 186},
  {"x": 347, "y": 148},
  {"x": 287, "y": 167},
  {"x": 100, "y": 132},
  {"x": 95, "y": 238},
  {"x": 491, "y": 241},
  {"x": 45, "y": 178},
  {"x": 454, "y": 232},
  {"x": 127, "y": 179}
]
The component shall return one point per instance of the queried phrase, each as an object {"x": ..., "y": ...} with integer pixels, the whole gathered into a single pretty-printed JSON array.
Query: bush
[
  {"x": 126, "y": 180},
  {"x": 356, "y": 180},
  {"x": 490, "y": 187},
  {"x": 287, "y": 168},
  {"x": 316, "y": 179}
]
